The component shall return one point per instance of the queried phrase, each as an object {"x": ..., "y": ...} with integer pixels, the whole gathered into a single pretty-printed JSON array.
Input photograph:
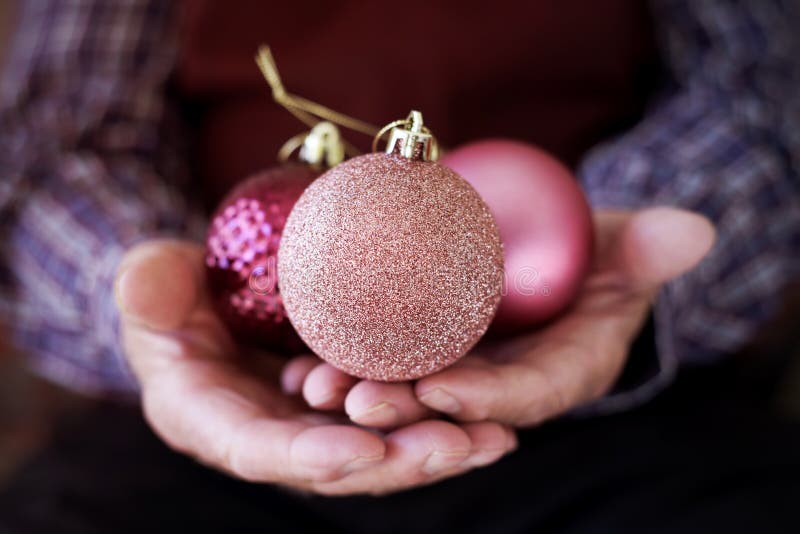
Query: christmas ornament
[
  {"x": 391, "y": 265},
  {"x": 244, "y": 238},
  {"x": 544, "y": 221}
]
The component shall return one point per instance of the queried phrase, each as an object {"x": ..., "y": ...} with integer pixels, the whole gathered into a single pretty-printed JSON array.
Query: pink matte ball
[{"x": 545, "y": 223}]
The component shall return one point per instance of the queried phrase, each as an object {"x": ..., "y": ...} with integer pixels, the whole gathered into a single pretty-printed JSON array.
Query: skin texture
[
  {"x": 225, "y": 407},
  {"x": 239, "y": 413},
  {"x": 539, "y": 375}
]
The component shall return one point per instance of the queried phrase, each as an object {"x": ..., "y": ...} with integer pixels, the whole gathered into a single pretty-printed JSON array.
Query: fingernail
[
  {"x": 381, "y": 413},
  {"x": 361, "y": 462},
  {"x": 440, "y": 400},
  {"x": 441, "y": 460},
  {"x": 290, "y": 387},
  {"x": 320, "y": 399},
  {"x": 482, "y": 457},
  {"x": 513, "y": 442},
  {"x": 323, "y": 398},
  {"x": 117, "y": 289}
]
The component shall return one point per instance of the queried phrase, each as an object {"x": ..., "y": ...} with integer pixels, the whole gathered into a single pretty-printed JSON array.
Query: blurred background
[{"x": 30, "y": 408}]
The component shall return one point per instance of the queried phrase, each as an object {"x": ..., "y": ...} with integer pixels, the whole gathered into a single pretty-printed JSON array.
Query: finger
[
  {"x": 382, "y": 405},
  {"x": 577, "y": 358},
  {"x": 325, "y": 387},
  {"x": 476, "y": 390},
  {"x": 522, "y": 393},
  {"x": 217, "y": 424},
  {"x": 415, "y": 454},
  {"x": 294, "y": 373},
  {"x": 427, "y": 448},
  {"x": 656, "y": 245},
  {"x": 158, "y": 283},
  {"x": 490, "y": 442}
]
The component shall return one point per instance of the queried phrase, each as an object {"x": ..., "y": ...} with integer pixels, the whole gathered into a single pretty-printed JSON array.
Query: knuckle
[
  {"x": 159, "y": 422},
  {"x": 488, "y": 401},
  {"x": 546, "y": 394},
  {"x": 475, "y": 411},
  {"x": 324, "y": 475}
]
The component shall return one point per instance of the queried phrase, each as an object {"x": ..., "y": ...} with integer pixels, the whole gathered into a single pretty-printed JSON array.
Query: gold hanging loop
[
  {"x": 321, "y": 147},
  {"x": 383, "y": 131},
  {"x": 290, "y": 146}
]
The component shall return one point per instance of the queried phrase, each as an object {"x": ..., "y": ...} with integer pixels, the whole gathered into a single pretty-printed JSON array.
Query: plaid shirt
[{"x": 87, "y": 141}]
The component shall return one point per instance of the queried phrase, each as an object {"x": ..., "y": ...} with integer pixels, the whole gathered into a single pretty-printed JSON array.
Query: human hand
[
  {"x": 572, "y": 361},
  {"x": 207, "y": 399}
]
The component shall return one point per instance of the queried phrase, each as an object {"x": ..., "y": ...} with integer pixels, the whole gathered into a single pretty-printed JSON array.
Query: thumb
[
  {"x": 658, "y": 244},
  {"x": 158, "y": 283}
]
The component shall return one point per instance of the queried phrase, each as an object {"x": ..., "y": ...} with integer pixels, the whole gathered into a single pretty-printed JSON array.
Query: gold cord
[
  {"x": 308, "y": 112},
  {"x": 311, "y": 113}
]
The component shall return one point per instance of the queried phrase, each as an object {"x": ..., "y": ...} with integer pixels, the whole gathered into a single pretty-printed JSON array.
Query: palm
[
  {"x": 571, "y": 361},
  {"x": 207, "y": 398},
  {"x": 575, "y": 358}
]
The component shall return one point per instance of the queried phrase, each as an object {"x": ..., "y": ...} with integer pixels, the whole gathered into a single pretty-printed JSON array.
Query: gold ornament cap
[{"x": 409, "y": 138}]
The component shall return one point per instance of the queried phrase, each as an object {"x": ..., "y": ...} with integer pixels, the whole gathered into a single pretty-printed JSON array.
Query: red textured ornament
[
  {"x": 391, "y": 265},
  {"x": 241, "y": 256},
  {"x": 545, "y": 223}
]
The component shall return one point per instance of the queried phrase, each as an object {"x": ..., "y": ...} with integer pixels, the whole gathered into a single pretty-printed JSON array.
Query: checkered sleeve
[
  {"x": 724, "y": 140},
  {"x": 82, "y": 115}
]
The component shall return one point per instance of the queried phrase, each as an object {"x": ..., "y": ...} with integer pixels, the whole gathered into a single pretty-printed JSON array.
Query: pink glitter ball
[
  {"x": 390, "y": 268},
  {"x": 241, "y": 257}
]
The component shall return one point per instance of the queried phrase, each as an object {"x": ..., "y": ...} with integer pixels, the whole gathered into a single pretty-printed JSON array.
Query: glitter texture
[
  {"x": 241, "y": 257},
  {"x": 390, "y": 268}
]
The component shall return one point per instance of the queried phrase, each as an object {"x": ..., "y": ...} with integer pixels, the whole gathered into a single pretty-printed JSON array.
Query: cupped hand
[
  {"x": 569, "y": 362},
  {"x": 205, "y": 398}
]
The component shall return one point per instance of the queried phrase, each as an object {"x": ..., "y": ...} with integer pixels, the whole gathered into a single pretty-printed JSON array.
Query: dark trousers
[{"x": 704, "y": 457}]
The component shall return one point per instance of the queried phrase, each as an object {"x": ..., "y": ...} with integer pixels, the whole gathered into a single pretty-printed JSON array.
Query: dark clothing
[{"x": 691, "y": 461}]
